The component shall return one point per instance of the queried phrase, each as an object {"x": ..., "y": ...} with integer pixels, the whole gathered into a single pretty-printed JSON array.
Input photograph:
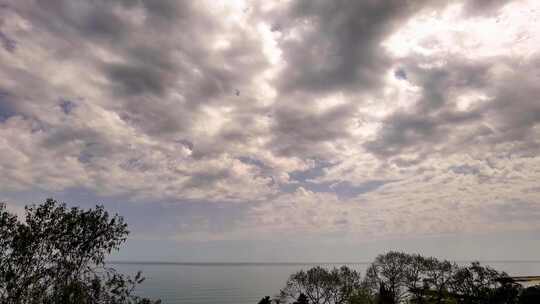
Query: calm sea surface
[{"x": 180, "y": 283}]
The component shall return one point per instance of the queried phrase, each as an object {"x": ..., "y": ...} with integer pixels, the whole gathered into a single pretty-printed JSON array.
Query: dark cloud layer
[
  {"x": 484, "y": 7},
  {"x": 510, "y": 108},
  {"x": 301, "y": 131},
  {"x": 339, "y": 43}
]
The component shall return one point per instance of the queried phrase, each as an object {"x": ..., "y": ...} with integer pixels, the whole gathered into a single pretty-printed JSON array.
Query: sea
[{"x": 244, "y": 283}]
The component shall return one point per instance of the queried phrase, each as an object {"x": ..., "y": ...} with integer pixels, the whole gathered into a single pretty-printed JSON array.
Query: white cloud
[{"x": 279, "y": 107}]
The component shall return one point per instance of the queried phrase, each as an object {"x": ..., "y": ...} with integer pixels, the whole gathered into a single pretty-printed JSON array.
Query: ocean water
[{"x": 241, "y": 283}]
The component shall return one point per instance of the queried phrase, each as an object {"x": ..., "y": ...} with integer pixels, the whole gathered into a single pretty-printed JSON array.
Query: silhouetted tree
[
  {"x": 385, "y": 296},
  {"x": 320, "y": 285},
  {"x": 508, "y": 292},
  {"x": 390, "y": 271},
  {"x": 438, "y": 276},
  {"x": 415, "y": 280},
  {"x": 362, "y": 296},
  {"x": 480, "y": 284},
  {"x": 265, "y": 300},
  {"x": 396, "y": 277},
  {"x": 302, "y": 299},
  {"x": 530, "y": 295},
  {"x": 57, "y": 255},
  {"x": 409, "y": 278}
]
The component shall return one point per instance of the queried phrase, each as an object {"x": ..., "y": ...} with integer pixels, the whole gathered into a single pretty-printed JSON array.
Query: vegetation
[
  {"x": 530, "y": 295},
  {"x": 57, "y": 255},
  {"x": 396, "y": 277},
  {"x": 319, "y": 285}
]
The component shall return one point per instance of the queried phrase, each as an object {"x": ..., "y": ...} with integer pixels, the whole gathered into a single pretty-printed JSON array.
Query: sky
[{"x": 279, "y": 131}]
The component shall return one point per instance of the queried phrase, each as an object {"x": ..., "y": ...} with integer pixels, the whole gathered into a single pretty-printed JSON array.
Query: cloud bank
[{"x": 243, "y": 119}]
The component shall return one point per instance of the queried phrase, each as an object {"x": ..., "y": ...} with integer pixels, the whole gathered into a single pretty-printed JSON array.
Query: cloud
[
  {"x": 240, "y": 119},
  {"x": 329, "y": 46},
  {"x": 310, "y": 132},
  {"x": 9, "y": 44},
  {"x": 7, "y": 108},
  {"x": 484, "y": 7},
  {"x": 439, "y": 118}
]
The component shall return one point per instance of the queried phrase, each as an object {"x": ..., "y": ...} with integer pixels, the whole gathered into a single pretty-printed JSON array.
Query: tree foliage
[
  {"x": 410, "y": 278},
  {"x": 320, "y": 285},
  {"x": 483, "y": 285},
  {"x": 396, "y": 277},
  {"x": 57, "y": 255},
  {"x": 530, "y": 295},
  {"x": 302, "y": 299},
  {"x": 265, "y": 300}
]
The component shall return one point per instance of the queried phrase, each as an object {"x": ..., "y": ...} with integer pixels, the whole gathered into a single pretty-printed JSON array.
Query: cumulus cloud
[{"x": 366, "y": 119}]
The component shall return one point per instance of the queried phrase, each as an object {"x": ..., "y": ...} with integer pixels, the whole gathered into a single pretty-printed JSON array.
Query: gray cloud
[
  {"x": 339, "y": 43},
  {"x": 515, "y": 106},
  {"x": 304, "y": 132},
  {"x": 515, "y": 210},
  {"x": 67, "y": 106},
  {"x": 464, "y": 169},
  {"x": 75, "y": 18},
  {"x": 483, "y": 7},
  {"x": 166, "y": 52},
  {"x": 510, "y": 109},
  {"x": 7, "y": 108},
  {"x": 134, "y": 80},
  {"x": 8, "y": 43},
  {"x": 400, "y": 74},
  {"x": 413, "y": 132}
]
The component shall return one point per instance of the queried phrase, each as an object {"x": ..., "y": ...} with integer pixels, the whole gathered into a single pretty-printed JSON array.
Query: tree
[
  {"x": 389, "y": 272},
  {"x": 396, "y": 277},
  {"x": 481, "y": 284},
  {"x": 320, "y": 285},
  {"x": 362, "y": 296},
  {"x": 414, "y": 277},
  {"x": 265, "y": 300},
  {"x": 57, "y": 255},
  {"x": 508, "y": 292},
  {"x": 438, "y": 276},
  {"x": 530, "y": 295},
  {"x": 302, "y": 299},
  {"x": 385, "y": 295}
]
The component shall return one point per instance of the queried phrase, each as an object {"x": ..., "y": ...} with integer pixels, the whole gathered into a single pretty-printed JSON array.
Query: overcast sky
[{"x": 280, "y": 130}]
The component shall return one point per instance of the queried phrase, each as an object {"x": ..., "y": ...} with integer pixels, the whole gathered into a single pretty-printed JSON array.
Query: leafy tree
[
  {"x": 302, "y": 299},
  {"x": 389, "y": 272},
  {"x": 406, "y": 278},
  {"x": 346, "y": 282},
  {"x": 57, "y": 255},
  {"x": 415, "y": 280},
  {"x": 438, "y": 277},
  {"x": 481, "y": 284},
  {"x": 397, "y": 277},
  {"x": 385, "y": 296},
  {"x": 362, "y": 296},
  {"x": 320, "y": 285}
]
